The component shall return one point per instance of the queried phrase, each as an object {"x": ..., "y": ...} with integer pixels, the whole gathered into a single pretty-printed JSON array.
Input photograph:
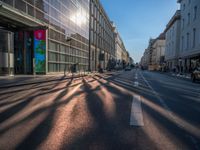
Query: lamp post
[
  {"x": 89, "y": 61},
  {"x": 68, "y": 40}
]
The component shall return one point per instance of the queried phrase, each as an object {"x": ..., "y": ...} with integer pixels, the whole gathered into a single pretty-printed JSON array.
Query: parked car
[
  {"x": 195, "y": 74},
  {"x": 128, "y": 68}
]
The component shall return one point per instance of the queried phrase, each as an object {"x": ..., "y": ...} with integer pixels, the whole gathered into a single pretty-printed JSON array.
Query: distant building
[
  {"x": 158, "y": 53},
  {"x": 102, "y": 36},
  {"x": 190, "y": 37},
  {"x": 172, "y": 48},
  {"x": 120, "y": 48},
  {"x": 147, "y": 55},
  {"x": 131, "y": 61},
  {"x": 153, "y": 57}
]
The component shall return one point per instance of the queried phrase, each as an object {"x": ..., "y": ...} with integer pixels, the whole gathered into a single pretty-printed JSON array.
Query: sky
[{"x": 139, "y": 20}]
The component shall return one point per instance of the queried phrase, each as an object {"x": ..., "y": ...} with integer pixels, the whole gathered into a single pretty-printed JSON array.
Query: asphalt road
[{"x": 133, "y": 110}]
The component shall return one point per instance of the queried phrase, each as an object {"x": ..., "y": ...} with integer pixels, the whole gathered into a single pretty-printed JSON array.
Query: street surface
[{"x": 133, "y": 110}]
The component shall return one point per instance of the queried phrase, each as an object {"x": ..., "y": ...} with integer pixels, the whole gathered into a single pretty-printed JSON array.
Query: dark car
[
  {"x": 128, "y": 68},
  {"x": 195, "y": 74}
]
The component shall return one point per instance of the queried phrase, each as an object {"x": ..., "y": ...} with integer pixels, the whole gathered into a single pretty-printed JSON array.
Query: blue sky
[{"x": 138, "y": 20}]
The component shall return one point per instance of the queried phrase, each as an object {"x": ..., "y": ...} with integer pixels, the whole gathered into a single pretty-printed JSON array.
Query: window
[
  {"x": 183, "y": 23},
  {"x": 194, "y": 37},
  {"x": 183, "y": 6},
  {"x": 182, "y": 43},
  {"x": 188, "y": 18},
  {"x": 195, "y": 12},
  {"x": 188, "y": 40}
]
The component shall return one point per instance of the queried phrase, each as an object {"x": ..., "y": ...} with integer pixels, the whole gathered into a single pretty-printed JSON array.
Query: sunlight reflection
[{"x": 79, "y": 18}]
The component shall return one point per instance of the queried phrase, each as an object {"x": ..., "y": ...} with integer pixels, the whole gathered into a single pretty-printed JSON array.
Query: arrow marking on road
[{"x": 136, "y": 118}]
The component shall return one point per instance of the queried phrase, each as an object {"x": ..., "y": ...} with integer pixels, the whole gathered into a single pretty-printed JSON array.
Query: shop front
[
  {"x": 22, "y": 52},
  {"x": 22, "y": 44}
]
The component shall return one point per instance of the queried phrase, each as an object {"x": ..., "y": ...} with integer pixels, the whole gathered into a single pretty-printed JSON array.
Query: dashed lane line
[
  {"x": 136, "y": 117},
  {"x": 123, "y": 82},
  {"x": 136, "y": 83}
]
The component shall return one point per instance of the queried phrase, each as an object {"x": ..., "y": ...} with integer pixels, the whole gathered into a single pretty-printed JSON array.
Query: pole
[
  {"x": 89, "y": 63},
  {"x": 65, "y": 70},
  {"x": 34, "y": 73},
  {"x": 9, "y": 42}
]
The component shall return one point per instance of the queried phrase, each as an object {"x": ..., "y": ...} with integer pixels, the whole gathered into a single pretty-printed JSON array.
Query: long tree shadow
[
  {"x": 109, "y": 133},
  {"x": 177, "y": 132},
  {"x": 42, "y": 131},
  {"x": 24, "y": 101},
  {"x": 34, "y": 86},
  {"x": 180, "y": 99}
]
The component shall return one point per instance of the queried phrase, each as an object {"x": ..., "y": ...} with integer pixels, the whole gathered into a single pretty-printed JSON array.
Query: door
[
  {"x": 19, "y": 52},
  {"x": 23, "y": 48}
]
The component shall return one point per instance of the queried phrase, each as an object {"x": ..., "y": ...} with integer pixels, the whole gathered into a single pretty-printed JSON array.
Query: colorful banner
[{"x": 40, "y": 51}]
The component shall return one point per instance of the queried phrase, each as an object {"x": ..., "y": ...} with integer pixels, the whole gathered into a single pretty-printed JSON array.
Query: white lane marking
[
  {"x": 158, "y": 96},
  {"x": 136, "y": 118},
  {"x": 136, "y": 77},
  {"x": 136, "y": 83},
  {"x": 105, "y": 76},
  {"x": 123, "y": 82},
  {"x": 169, "y": 111}
]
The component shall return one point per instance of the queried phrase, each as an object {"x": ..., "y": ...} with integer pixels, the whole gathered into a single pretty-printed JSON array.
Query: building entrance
[
  {"x": 23, "y": 52},
  {"x": 16, "y": 52}
]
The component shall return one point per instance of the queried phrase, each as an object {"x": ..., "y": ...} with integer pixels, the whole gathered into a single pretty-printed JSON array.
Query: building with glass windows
[
  {"x": 44, "y": 36},
  {"x": 102, "y": 37}
]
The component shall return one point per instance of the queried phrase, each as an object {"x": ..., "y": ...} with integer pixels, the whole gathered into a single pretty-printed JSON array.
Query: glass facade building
[{"x": 48, "y": 35}]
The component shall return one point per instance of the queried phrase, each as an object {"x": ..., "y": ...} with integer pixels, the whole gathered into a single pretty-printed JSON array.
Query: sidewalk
[
  {"x": 20, "y": 80},
  {"x": 186, "y": 76}
]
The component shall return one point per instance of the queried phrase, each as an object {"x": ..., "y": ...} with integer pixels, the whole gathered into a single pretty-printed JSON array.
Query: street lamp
[
  {"x": 69, "y": 39},
  {"x": 90, "y": 14}
]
